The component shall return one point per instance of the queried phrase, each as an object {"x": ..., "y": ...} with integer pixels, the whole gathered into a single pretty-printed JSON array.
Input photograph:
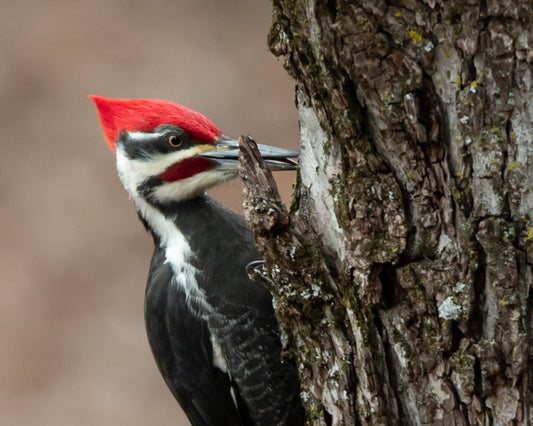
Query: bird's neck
[
  {"x": 162, "y": 220},
  {"x": 178, "y": 248},
  {"x": 200, "y": 222}
]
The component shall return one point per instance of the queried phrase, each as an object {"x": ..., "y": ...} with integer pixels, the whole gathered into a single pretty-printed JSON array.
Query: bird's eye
[{"x": 175, "y": 141}]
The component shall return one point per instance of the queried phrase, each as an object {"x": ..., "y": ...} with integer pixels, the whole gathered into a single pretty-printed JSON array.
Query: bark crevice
[{"x": 404, "y": 272}]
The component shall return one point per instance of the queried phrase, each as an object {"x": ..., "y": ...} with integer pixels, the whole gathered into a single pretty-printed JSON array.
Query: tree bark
[{"x": 403, "y": 274}]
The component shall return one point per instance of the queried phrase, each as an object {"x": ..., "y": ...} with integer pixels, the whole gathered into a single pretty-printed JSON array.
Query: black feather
[{"x": 243, "y": 322}]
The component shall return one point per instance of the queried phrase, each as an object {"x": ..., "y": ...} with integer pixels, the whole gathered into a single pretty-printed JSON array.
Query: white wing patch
[
  {"x": 218, "y": 359},
  {"x": 220, "y": 362}
]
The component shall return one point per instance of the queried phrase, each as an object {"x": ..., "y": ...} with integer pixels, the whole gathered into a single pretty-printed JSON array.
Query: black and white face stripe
[
  {"x": 144, "y": 145},
  {"x": 143, "y": 157}
]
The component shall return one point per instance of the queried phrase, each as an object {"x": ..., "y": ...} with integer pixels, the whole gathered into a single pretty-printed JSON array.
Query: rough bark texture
[{"x": 403, "y": 274}]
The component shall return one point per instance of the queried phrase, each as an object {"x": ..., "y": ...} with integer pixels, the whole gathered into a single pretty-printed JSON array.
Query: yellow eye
[{"x": 175, "y": 141}]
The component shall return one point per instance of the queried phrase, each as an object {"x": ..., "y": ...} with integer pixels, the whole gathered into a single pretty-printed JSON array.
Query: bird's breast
[{"x": 179, "y": 255}]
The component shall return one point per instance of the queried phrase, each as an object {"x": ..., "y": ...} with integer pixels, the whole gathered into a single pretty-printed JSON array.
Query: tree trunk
[{"x": 403, "y": 274}]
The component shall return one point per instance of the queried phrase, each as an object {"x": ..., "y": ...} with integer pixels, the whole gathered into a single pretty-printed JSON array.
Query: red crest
[{"x": 145, "y": 115}]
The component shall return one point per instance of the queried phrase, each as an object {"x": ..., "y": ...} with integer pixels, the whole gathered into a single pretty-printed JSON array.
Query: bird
[{"x": 212, "y": 329}]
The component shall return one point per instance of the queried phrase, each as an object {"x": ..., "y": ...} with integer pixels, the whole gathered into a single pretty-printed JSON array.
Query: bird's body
[{"x": 211, "y": 328}]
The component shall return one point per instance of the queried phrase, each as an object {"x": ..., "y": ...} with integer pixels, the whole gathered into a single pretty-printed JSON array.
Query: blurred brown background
[{"x": 73, "y": 255}]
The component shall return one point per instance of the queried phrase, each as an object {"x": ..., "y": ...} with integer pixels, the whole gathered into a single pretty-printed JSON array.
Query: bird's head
[{"x": 167, "y": 153}]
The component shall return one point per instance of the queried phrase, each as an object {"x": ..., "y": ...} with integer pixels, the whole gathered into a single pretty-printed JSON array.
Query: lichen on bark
[{"x": 411, "y": 226}]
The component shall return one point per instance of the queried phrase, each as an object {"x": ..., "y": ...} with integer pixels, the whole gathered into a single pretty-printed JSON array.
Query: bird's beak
[{"x": 226, "y": 154}]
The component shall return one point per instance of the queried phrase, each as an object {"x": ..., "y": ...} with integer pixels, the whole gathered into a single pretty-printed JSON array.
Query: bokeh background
[{"x": 73, "y": 256}]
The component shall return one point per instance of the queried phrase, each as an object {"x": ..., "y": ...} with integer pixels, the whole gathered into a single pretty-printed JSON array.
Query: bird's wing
[
  {"x": 250, "y": 342},
  {"x": 181, "y": 344},
  {"x": 243, "y": 318}
]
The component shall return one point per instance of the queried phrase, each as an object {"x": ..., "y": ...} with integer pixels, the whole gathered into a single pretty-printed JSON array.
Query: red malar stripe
[{"x": 186, "y": 168}]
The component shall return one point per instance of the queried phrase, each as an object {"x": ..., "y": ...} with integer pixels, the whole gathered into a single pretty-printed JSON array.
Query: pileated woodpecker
[{"x": 211, "y": 328}]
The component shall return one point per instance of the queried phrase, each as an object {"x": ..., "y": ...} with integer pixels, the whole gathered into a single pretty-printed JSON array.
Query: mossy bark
[{"x": 404, "y": 271}]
